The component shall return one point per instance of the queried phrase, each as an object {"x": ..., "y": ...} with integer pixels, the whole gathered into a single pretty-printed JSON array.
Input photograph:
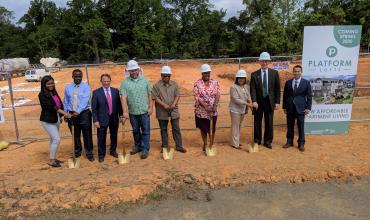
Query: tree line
[{"x": 118, "y": 30}]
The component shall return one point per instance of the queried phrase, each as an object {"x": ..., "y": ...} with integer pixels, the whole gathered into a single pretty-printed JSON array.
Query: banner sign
[
  {"x": 2, "y": 119},
  {"x": 330, "y": 58},
  {"x": 284, "y": 65}
]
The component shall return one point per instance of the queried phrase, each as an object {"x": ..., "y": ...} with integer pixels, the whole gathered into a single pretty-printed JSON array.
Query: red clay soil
[{"x": 29, "y": 186}]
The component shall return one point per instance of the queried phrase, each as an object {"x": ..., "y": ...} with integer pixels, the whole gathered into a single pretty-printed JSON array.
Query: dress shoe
[
  {"x": 91, "y": 158},
  {"x": 301, "y": 147},
  {"x": 144, "y": 155},
  {"x": 114, "y": 154},
  {"x": 101, "y": 160},
  {"x": 287, "y": 145},
  {"x": 135, "y": 150},
  {"x": 181, "y": 149},
  {"x": 268, "y": 145}
]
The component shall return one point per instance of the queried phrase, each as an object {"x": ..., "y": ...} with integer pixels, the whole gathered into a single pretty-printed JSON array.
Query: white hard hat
[
  {"x": 205, "y": 68},
  {"x": 241, "y": 73},
  {"x": 132, "y": 65},
  {"x": 264, "y": 56},
  {"x": 166, "y": 70}
]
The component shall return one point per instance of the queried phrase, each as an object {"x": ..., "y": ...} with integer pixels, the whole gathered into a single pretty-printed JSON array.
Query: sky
[{"x": 20, "y": 7}]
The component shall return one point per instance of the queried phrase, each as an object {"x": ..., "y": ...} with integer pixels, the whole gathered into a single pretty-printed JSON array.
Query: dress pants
[
  {"x": 102, "y": 136},
  {"x": 236, "y": 123},
  {"x": 82, "y": 123},
  {"x": 176, "y": 134},
  {"x": 291, "y": 117},
  {"x": 264, "y": 111}
]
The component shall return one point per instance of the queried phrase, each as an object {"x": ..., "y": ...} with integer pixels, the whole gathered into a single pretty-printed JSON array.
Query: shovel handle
[{"x": 123, "y": 136}]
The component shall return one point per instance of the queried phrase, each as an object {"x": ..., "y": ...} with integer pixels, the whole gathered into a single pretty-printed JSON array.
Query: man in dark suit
[
  {"x": 106, "y": 111},
  {"x": 297, "y": 102},
  {"x": 265, "y": 94}
]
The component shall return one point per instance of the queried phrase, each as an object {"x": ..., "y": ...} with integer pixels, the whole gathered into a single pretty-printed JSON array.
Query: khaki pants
[{"x": 236, "y": 123}]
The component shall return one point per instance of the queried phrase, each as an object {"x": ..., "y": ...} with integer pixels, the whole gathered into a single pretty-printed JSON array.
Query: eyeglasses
[{"x": 164, "y": 76}]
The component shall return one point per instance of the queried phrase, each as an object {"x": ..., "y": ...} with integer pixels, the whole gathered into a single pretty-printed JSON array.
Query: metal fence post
[
  {"x": 239, "y": 62},
  {"x": 13, "y": 106},
  {"x": 87, "y": 74}
]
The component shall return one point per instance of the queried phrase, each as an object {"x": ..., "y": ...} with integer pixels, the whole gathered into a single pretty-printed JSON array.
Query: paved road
[
  {"x": 332, "y": 200},
  {"x": 266, "y": 201}
]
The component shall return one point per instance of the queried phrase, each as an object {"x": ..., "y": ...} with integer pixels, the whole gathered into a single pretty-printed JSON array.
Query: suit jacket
[
  {"x": 100, "y": 109},
  {"x": 301, "y": 99},
  {"x": 273, "y": 87},
  {"x": 49, "y": 110}
]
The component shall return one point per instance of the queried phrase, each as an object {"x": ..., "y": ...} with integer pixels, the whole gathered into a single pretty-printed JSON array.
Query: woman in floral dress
[{"x": 207, "y": 95}]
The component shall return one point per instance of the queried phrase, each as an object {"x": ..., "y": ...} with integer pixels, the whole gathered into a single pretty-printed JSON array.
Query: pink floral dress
[{"x": 208, "y": 94}]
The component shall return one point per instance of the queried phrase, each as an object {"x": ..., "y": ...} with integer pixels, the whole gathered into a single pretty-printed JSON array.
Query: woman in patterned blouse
[{"x": 207, "y": 95}]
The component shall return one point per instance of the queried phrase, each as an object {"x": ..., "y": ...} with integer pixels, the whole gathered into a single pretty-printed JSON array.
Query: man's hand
[
  {"x": 306, "y": 111},
  {"x": 150, "y": 111},
  {"x": 284, "y": 111},
  {"x": 74, "y": 114},
  {"x": 277, "y": 106},
  {"x": 165, "y": 106},
  {"x": 97, "y": 124},
  {"x": 173, "y": 106},
  {"x": 255, "y": 105},
  {"x": 125, "y": 115}
]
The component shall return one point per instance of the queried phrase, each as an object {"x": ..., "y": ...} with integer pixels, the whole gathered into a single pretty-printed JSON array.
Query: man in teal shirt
[{"x": 137, "y": 105}]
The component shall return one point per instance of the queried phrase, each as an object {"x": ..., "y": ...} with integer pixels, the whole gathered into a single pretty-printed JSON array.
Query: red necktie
[{"x": 109, "y": 100}]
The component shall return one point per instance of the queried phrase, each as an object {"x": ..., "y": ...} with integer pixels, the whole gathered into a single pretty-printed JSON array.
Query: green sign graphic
[
  {"x": 331, "y": 51},
  {"x": 348, "y": 35}
]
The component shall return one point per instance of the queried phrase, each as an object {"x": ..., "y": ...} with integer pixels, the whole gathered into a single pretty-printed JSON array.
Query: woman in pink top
[
  {"x": 51, "y": 115},
  {"x": 207, "y": 95}
]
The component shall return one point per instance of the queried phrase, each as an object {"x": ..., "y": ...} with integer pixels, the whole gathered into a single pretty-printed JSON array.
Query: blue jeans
[{"x": 141, "y": 131}]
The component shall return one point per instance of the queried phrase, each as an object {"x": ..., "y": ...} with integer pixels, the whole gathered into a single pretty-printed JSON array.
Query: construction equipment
[
  {"x": 123, "y": 157},
  {"x": 211, "y": 149},
  {"x": 73, "y": 162},
  {"x": 253, "y": 146}
]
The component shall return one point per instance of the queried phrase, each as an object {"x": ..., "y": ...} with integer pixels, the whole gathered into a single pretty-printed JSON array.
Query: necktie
[
  {"x": 109, "y": 100},
  {"x": 265, "y": 89},
  {"x": 295, "y": 85},
  {"x": 75, "y": 98}
]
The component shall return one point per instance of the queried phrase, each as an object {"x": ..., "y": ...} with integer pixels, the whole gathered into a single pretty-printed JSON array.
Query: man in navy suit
[
  {"x": 297, "y": 102},
  {"x": 106, "y": 112}
]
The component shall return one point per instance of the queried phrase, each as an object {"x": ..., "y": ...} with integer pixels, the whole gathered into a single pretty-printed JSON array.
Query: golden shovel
[
  {"x": 123, "y": 157},
  {"x": 253, "y": 146},
  {"x": 168, "y": 153},
  {"x": 73, "y": 162},
  {"x": 210, "y": 149}
]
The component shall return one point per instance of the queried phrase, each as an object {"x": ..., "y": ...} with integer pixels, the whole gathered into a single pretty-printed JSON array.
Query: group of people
[{"x": 135, "y": 98}]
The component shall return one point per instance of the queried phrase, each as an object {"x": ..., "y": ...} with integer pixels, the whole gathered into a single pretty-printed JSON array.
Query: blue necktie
[{"x": 295, "y": 86}]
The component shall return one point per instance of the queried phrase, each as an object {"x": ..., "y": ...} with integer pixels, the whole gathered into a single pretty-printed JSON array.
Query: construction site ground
[{"x": 29, "y": 187}]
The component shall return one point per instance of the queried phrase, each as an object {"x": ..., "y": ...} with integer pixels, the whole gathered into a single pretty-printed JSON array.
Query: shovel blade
[
  {"x": 171, "y": 153},
  {"x": 167, "y": 154},
  {"x": 123, "y": 158},
  {"x": 211, "y": 151},
  {"x": 253, "y": 148},
  {"x": 74, "y": 163}
]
